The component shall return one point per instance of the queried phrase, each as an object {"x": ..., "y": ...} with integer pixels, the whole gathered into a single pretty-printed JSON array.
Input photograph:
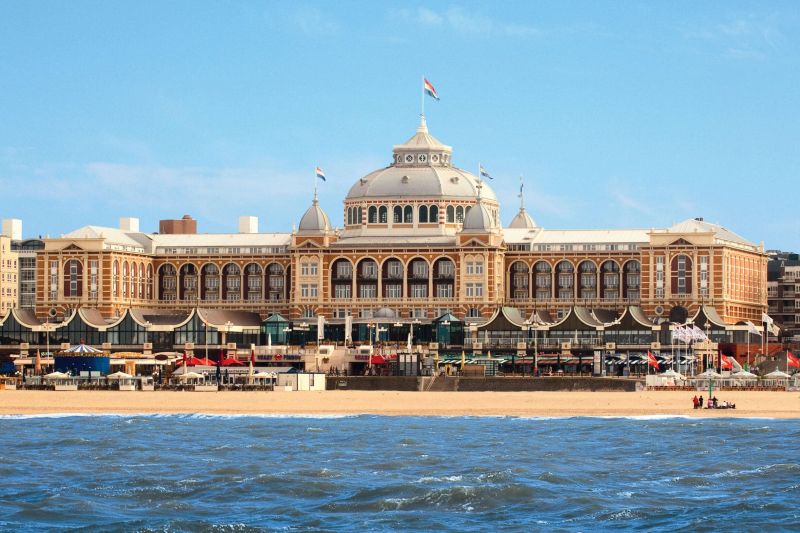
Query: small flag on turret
[
  {"x": 483, "y": 172},
  {"x": 321, "y": 174},
  {"x": 429, "y": 90}
]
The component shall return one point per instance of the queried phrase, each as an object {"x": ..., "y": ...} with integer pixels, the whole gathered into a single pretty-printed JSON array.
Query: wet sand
[{"x": 392, "y": 403}]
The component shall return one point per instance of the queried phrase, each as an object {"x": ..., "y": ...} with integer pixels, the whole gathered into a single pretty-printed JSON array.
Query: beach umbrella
[
  {"x": 709, "y": 374},
  {"x": 119, "y": 375},
  {"x": 672, "y": 374},
  {"x": 190, "y": 375},
  {"x": 744, "y": 374},
  {"x": 56, "y": 375},
  {"x": 777, "y": 374}
]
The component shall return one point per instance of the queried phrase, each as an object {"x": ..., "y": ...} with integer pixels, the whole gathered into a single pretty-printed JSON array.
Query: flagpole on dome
[{"x": 422, "y": 98}]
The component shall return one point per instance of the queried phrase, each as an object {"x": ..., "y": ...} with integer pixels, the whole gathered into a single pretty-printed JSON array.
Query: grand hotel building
[{"x": 420, "y": 238}]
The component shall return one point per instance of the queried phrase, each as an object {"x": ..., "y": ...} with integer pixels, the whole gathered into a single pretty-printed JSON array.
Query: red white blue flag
[
  {"x": 321, "y": 174},
  {"x": 429, "y": 90}
]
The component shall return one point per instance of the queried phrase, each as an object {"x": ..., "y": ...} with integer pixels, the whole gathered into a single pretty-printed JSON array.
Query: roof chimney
[
  {"x": 248, "y": 224},
  {"x": 129, "y": 224},
  {"x": 12, "y": 227},
  {"x": 185, "y": 226}
]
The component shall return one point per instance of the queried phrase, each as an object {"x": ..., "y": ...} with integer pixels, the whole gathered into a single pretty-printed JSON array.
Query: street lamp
[{"x": 531, "y": 326}]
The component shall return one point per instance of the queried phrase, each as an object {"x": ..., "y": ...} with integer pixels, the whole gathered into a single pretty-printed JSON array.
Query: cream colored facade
[
  {"x": 9, "y": 276},
  {"x": 419, "y": 237}
]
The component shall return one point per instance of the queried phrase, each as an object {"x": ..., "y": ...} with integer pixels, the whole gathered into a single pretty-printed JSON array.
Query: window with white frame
[
  {"x": 474, "y": 290},
  {"x": 342, "y": 291},
  {"x": 419, "y": 291},
  {"x": 308, "y": 290},
  {"x": 393, "y": 290},
  {"x": 368, "y": 290}
]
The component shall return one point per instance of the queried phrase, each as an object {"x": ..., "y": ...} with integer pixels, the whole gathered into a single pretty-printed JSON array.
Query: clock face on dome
[
  {"x": 435, "y": 158},
  {"x": 422, "y": 158},
  {"x": 409, "y": 158}
]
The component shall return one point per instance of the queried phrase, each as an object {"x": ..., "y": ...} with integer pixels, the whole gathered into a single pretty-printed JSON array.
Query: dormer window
[{"x": 404, "y": 179}]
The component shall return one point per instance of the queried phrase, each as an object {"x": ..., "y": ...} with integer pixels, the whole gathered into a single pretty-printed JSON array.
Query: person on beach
[
  {"x": 701, "y": 401},
  {"x": 714, "y": 401},
  {"x": 695, "y": 402}
]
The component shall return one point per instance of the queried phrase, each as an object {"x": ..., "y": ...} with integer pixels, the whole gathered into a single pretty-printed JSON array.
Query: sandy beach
[{"x": 393, "y": 403}]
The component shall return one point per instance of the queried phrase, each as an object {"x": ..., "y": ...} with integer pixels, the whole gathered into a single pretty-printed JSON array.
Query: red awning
[
  {"x": 230, "y": 361},
  {"x": 191, "y": 361},
  {"x": 377, "y": 360},
  {"x": 206, "y": 361}
]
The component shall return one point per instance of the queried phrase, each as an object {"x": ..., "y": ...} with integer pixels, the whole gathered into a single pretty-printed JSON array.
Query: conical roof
[{"x": 479, "y": 219}]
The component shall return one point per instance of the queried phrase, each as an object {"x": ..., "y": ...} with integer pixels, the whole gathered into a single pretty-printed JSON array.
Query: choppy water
[{"x": 196, "y": 473}]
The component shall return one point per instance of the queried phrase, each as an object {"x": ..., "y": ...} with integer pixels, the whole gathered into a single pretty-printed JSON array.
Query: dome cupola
[
  {"x": 479, "y": 219},
  {"x": 314, "y": 220}
]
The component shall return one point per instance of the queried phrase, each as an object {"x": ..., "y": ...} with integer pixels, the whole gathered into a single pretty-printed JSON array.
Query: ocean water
[{"x": 370, "y": 473}]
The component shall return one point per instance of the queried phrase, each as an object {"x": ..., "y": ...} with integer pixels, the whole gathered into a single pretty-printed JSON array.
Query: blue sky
[{"x": 618, "y": 114}]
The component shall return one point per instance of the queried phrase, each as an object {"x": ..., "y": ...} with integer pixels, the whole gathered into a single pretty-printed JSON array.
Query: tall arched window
[
  {"x": 433, "y": 214},
  {"x": 543, "y": 280},
  {"x": 125, "y": 276},
  {"x": 349, "y": 215},
  {"x": 167, "y": 282},
  {"x": 114, "y": 279},
  {"x": 232, "y": 284},
  {"x": 610, "y": 280},
  {"x": 519, "y": 280},
  {"x": 460, "y": 214},
  {"x": 451, "y": 214},
  {"x": 588, "y": 273},
  {"x": 209, "y": 282},
  {"x": 566, "y": 280},
  {"x": 73, "y": 279},
  {"x": 423, "y": 214},
  {"x": 149, "y": 284},
  {"x": 372, "y": 215},
  {"x": 408, "y": 215},
  {"x": 140, "y": 292},
  {"x": 632, "y": 278},
  {"x": 397, "y": 214},
  {"x": 383, "y": 214},
  {"x": 252, "y": 282}
]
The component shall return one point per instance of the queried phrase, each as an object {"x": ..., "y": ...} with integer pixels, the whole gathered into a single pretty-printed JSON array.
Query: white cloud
[{"x": 459, "y": 20}]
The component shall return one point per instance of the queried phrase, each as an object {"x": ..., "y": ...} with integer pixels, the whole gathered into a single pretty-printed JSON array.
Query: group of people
[{"x": 713, "y": 403}]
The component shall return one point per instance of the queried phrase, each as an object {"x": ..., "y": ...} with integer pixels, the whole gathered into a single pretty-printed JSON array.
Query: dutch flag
[
  {"x": 483, "y": 172},
  {"x": 429, "y": 89},
  {"x": 320, "y": 174}
]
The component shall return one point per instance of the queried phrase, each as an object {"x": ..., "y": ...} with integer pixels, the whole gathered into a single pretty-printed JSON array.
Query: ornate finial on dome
[
  {"x": 423, "y": 126},
  {"x": 479, "y": 186},
  {"x": 522, "y": 219}
]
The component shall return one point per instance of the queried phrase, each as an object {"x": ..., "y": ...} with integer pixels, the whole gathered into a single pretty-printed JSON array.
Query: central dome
[{"x": 421, "y": 168}]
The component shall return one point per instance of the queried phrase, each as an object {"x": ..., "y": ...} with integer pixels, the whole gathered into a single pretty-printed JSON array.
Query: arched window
[
  {"x": 140, "y": 292},
  {"x": 397, "y": 214},
  {"x": 342, "y": 279},
  {"x": 252, "y": 282},
  {"x": 423, "y": 214},
  {"x": 460, "y": 214},
  {"x": 349, "y": 215},
  {"x": 566, "y": 281},
  {"x": 392, "y": 274},
  {"x": 451, "y": 214},
  {"x": 632, "y": 277},
  {"x": 209, "y": 282},
  {"x": 610, "y": 280},
  {"x": 277, "y": 280},
  {"x": 408, "y": 215},
  {"x": 232, "y": 285},
  {"x": 383, "y": 215},
  {"x": 588, "y": 279},
  {"x": 125, "y": 276},
  {"x": 367, "y": 279},
  {"x": 543, "y": 285},
  {"x": 417, "y": 275},
  {"x": 149, "y": 285},
  {"x": 114, "y": 279},
  {"x": 433, "y": 214},
  {"x": 372, "y": 215},
  {"x": 73, "y": 278},
  {"x": 188, "y": 282},
  {"x": 519, "y": 286},
  {"x": 167, "y": 282}
]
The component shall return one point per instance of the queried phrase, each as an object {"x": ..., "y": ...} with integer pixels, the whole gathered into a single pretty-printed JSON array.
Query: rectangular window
[
  {"x": 474, "y": 290},
  {"x": 446, "y": 269},
  {"x": 419, "y": 291},
  {"x": 420, "y": 270},
  {"x": 395, "y": 269},
  {"x": 444, "y": 291},
  {"x": 344, "y": 270},
  {"x": 368, "y": 291},
  {"x": 370, "y": 270},
  {"x": 341, "y": 291},
  {"x": 308, "y": 290},
  {"x": 394, "y": 291}
]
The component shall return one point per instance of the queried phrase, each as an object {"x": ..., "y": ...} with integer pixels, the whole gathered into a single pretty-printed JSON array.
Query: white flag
[
  {"x": 752, "y": 328},
  {"x": 774, "y": 329},
  {"x": 766, "y": 318},
  {"x": 698, "y": 335}
]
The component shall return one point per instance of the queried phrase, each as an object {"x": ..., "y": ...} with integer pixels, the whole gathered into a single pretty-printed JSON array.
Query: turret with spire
[{"x": 522, "y": 220}]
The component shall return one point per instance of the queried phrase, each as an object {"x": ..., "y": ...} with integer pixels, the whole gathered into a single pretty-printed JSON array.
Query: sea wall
[
  {"x": 402, "y": 383},
  {"x": 553, "y": 384},
  {"x": 478, "y": 384}
]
